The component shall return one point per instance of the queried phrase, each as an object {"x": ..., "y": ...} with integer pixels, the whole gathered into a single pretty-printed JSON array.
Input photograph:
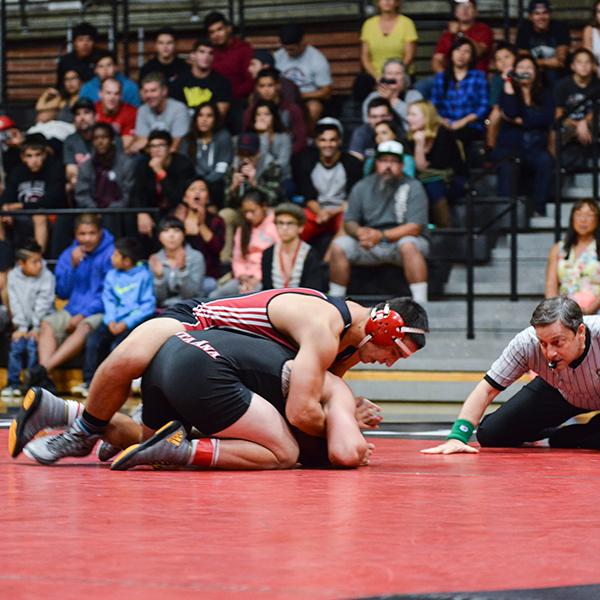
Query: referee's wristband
[{"x": 461, "y": 430}]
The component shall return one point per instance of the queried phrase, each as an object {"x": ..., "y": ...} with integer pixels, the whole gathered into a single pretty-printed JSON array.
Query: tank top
[{"x": 579, "y": 274}]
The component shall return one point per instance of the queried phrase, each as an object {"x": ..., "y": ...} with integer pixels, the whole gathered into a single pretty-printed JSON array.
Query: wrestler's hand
[
  {"x": 451, "y": 446},
  {"x": 368, "y": 414}
]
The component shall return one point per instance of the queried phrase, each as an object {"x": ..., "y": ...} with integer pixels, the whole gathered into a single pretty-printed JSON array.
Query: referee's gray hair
[{"x": 562, "y": 309}]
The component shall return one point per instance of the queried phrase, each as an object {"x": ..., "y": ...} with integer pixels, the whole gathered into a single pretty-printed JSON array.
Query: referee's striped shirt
[{"x": 579, "y": 383}]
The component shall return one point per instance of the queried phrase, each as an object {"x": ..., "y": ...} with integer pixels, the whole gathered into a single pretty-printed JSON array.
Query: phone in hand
[{"x": 387, "y": 81}]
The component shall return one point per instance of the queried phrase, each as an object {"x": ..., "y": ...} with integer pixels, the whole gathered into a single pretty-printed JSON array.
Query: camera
[
  {"x": 519, "y": 76},
  {"x": 387, "y": 81}
]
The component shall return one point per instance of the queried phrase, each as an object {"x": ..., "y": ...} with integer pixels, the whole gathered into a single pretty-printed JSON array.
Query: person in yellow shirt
[{"x": 387, "y": 35}]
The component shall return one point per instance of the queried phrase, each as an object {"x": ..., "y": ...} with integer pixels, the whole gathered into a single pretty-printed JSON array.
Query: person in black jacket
[
  {"x": 324, "y": 177},
  {"x": 160, "y": 180},
  {"x": 38, "y": 182},
  {"x": 291, "y": 262}
]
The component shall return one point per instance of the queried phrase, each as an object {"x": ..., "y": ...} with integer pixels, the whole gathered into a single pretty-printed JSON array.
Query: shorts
[
  {"x": 382, "y": 253},
  {"x": 182, "y": 311},
  {"x": 59, "y": 320}
]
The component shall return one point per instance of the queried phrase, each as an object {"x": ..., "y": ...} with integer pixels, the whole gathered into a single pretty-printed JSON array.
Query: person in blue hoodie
[
  {"x": 79, "y": 273},
  {"x": 128, "y": 299}
]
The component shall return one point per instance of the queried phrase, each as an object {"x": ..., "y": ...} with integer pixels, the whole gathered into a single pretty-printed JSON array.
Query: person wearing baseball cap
[
  {"x": 547, "y": 40},
  {"x": 386, "y": 223}
]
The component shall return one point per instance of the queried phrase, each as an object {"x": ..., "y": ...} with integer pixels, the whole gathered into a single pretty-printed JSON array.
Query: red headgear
[{"x": 386, "y": 327}]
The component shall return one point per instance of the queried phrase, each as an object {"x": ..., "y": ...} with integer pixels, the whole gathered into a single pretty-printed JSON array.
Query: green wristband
[{"x": 461, "y": 430}]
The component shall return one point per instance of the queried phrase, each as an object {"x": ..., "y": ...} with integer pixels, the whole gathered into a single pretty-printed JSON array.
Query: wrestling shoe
[
  {"x": 39, "y": 409},
  {"x": 73, "y": 442},
  {"x": 167, "y": 447}
]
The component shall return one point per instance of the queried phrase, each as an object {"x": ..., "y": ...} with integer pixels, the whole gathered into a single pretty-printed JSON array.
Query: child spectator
[
  {"x": 31, "y": 296},
  {"x": 460, "y": 93},
  {"x": 210, "y": 148},
  {"x": 36, "y": 183},
  {"x": 256, "y": 233},
  {"x": 165, "y": 60},
  {"x": 204, "y": 230},
  {"x": 127, "y": 300},
  {"x": 178, "y": 269},
  {"x": 570, "y": 94},
  {"x": 80, "y": 273},
  {"x": 291, "y": 262}
]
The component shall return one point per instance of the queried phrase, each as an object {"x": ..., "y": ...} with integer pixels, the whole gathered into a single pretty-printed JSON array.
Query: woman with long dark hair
[
  {"x": 460, "y": 93},
  {"x": 574, "y": 263},
  {"x": 210, "y": 148},
  {"x": 527, "y": 110},
  {"x": 591, "y": 32}
]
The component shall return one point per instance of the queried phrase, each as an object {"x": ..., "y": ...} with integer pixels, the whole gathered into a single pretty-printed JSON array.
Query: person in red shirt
[
  {"x": 465, "y": 24},
  {"x": 110, "y": 109},
  {"x": 232, "y": 55}
]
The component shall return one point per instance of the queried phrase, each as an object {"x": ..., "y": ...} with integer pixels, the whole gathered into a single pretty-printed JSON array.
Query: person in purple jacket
[{"x": 79, "y": 273}]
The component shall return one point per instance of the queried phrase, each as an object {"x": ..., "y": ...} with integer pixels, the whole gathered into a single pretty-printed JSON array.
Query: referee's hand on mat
[{"x": 451, "y": 446}]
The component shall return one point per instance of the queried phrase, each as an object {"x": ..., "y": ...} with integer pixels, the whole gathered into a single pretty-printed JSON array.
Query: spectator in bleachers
[
  {"x": 210, "y": 148},
  {"x": 159, "y": 112},
  {"x": 165, "y": 59},
  {"x": 160, "y": 180},
  {"x": 232, "y": 55},
  {"x": 106, "y": 66},
  {"x": 111, "y": 109},
  {"x": 178, "y": 270},
  {"x": 127, "y": 300},
  {"x": 591, "y": 33},
  {"x": 460, "y": 93},
  {"x": 47, "y": 108},
  {"x": 570, "y": 94},
  {"x": 291, "y": 262},
  {"x": 386, "y": 222},
  {"x": 69, "y": 91},
  {"x": 274, "y": 139},
  {"x": 324, "y": 176},
  {"x": 77, "y": 148},
  {"x": 547, "y": 40},
  {"x": 464, "y": 25},
  {"x": 389, "y": 34},
  {"x": 84, "y": 55},
  {"x": 79, "y": 273},
  {"x": 255, "y": 234},
  {"x": 202, "y": 83},
  {"x": 11, "y": 139},
  {"x": 394, "y": 86},
  {"x": 31, "y": 297},
  {"x": 204, "y": 230},
  {"x": 250, "y": 170},
  {"x": 268, "y": 87},
  {"x": 574, "y": 263},
  {"x": 264, "y": 59},
  {"x": 505, "y": 56},
  {"x": 106, "y": 180},
  {"x": 527, "y": 116},
  {"x": 362, "y": 142},
  {"x": 440, "y": 167},
  {"x": 307, "y": 67},
  {"x": 38, "y": 182},
  {"x": 386, "y": 131}
]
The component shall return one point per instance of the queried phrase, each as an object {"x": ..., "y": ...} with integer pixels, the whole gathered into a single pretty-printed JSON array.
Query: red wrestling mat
[{"x": 408, "y": 524}]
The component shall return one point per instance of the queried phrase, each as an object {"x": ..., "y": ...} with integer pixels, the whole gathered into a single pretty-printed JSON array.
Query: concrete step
[{"x": 494, "y": 280}]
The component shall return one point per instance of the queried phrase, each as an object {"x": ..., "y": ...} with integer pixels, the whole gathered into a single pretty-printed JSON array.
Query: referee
[{"x": 563, "y": 348}]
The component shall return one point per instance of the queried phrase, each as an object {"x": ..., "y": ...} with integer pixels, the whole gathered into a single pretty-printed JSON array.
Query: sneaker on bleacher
[{"x": 81, "y": 389}]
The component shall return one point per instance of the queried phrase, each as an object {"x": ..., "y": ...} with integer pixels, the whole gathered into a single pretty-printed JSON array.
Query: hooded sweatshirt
[
  {"x": 82, "y": 285},
  {"x": 30, "y": 298},
  {"x": 128, "y": 296}
]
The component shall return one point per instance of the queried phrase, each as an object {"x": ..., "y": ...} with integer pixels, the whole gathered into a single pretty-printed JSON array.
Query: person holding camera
[
  {"x": 394, "y": 86},
  {"x": 547, "y": 40},
  {"x": 527, "y": 114}
]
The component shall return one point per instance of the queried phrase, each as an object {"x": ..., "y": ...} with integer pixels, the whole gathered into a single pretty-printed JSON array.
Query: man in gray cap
[{"x": 386, "y": 223}]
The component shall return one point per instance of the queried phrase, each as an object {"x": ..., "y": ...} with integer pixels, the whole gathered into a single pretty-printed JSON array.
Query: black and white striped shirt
[{"x": 579, "y": 383}]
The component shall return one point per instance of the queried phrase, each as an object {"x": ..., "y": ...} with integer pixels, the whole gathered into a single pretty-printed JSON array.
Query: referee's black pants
[{"x": 534, "y": 413}]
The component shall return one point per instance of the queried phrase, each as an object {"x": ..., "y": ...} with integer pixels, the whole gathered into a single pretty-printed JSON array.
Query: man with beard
[{"x": 386, "y": 222}]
